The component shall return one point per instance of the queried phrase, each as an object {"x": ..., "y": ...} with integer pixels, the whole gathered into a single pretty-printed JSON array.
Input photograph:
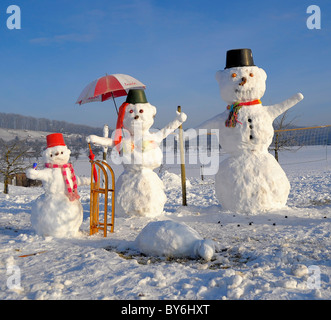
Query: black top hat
[
  {"x": 136, "y": 96},
  {"x": 239, "y": 58}
]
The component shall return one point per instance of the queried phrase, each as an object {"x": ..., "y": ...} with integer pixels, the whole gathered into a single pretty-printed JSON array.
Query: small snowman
[
  {"x": 250, "y": 180},
  {"x": 58, "y": 212},
  {"x": 173, "y": 239},
  {"x": 138, "y": 190}
]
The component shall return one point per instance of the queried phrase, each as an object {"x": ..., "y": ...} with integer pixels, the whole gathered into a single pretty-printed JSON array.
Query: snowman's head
[
  {"x": 57, "y": 155},
  {"x": 241, "y": 84},
  {"x": 139, "y": 117}
]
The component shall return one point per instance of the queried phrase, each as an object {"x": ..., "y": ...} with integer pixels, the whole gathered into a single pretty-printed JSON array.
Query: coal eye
[
  {"x": 251, "y": 75},
  {"x": 61, "y": 152},
  {"x": 233, "y": 75},
  {"x": 51, "y": 155},
  {"x": 141, "y": 111},
  {"x": 131, "y": 111}
]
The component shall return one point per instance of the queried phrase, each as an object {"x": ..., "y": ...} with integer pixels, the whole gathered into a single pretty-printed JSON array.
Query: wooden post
[{"x": 182, "y": 161}]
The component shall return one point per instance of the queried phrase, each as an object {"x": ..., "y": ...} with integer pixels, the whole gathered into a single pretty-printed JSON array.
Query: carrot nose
[{"x": 243, "y": 81}]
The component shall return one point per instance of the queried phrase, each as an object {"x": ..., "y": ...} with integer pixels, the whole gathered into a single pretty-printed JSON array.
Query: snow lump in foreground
[{"x": 173, "y": 239}]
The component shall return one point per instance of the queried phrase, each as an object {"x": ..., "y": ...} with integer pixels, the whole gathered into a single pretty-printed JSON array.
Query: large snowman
[
  {"x": 250, "y": 180},
  {"x": 58, "y": 212},
  {"x": 138, "y": 190}
]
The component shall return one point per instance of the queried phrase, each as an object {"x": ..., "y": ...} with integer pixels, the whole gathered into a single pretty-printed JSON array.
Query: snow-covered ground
[{"x": 284, "y": 254}]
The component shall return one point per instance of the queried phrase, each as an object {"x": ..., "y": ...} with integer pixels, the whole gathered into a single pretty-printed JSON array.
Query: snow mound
[
  {"x": 173, "y": 239},
  {"x": 173, "y": 180}
]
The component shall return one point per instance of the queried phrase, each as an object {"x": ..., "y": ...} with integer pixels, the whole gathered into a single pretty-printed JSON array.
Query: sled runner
[{"x": 100, "y": 186}]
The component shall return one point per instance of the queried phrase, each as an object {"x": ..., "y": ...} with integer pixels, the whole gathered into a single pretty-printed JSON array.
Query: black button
[
  {"x": 251, "y": 137},
  {"x": 251, "y": 127},
  {"x": 249, "y": 120}
]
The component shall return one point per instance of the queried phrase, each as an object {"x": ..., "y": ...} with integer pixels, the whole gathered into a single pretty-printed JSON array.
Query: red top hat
[{"x": 55, "y": 139}]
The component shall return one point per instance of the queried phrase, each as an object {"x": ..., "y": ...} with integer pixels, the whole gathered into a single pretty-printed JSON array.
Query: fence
[
  {"x": 292, "y": 146},
  {"x": 295, "y": 139}
]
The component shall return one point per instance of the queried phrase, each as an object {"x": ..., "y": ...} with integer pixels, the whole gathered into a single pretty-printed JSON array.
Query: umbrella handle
[{"x": 114, "y": 102}]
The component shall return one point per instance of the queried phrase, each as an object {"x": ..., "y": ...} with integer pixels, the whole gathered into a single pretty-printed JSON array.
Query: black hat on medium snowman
[
  {"x": 239, "y": 58},
  {"x": 241, "y": 81}
]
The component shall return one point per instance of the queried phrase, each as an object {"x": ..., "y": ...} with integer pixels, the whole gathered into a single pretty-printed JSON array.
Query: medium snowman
[
  {"x": 58, "y": 212},
  {"x": 138, "y": 190},
  {"x": 250, "y": 180}
]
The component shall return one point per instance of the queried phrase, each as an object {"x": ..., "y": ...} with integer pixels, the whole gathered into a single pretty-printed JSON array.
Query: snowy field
[{"x": 284, "y": 254}]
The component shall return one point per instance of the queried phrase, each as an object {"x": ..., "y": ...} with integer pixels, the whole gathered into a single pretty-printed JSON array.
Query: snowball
[
  {"x": 235, "y": 281},
  {"x": 287, "y": 284},
  {"x": 299, "y": 270}
]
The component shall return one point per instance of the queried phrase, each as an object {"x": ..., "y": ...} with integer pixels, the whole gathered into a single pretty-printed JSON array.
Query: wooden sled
[{"x": 100, "y": 186}]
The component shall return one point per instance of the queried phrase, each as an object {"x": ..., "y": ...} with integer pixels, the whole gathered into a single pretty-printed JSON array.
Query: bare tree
[
  {"x": 11, "y": 160},
  {"x": 282, "y": 141}
]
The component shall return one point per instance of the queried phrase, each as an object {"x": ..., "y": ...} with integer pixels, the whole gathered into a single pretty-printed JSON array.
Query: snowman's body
[
  {"x": 250, "y": 180},
  {"x": 139, "y": 190},
  {"x": 53, "y": 214}
]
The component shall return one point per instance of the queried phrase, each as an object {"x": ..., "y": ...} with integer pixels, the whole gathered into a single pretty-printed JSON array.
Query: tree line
[{"x": 20, "y": 122}]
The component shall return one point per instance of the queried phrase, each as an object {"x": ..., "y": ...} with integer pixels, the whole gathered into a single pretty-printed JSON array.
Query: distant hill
[{"x": 19, "y": 122}]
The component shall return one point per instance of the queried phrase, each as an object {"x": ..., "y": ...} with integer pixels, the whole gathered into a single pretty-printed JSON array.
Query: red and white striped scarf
[{"x": 72, "y": 193}]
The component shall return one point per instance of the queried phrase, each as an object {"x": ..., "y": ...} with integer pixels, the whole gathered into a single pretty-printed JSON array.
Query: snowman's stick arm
[
  {"x": 43, "y": 175},
  {"x": 277, "y": 109},
  {"x": 100, "y": 141},
  {"x": 171, "y": 126}
]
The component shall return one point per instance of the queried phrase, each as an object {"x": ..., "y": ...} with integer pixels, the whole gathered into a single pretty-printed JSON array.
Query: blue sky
[{"x": 174, "y": 47}]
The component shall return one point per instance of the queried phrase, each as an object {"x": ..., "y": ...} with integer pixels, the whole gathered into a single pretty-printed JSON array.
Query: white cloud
[{"x": 63, "y": 38}]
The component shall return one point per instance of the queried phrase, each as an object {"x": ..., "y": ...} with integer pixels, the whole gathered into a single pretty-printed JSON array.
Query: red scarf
[
  {"x": 234, "y": 108},
  {"x": 119, "y": 125},
  {"x": 72, "y": 194}
]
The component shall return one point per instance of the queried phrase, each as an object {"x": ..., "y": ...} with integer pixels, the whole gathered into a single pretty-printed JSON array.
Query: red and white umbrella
[
  {"x": 107, "y": 87},
  {"x": 104, "y": 88}
]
